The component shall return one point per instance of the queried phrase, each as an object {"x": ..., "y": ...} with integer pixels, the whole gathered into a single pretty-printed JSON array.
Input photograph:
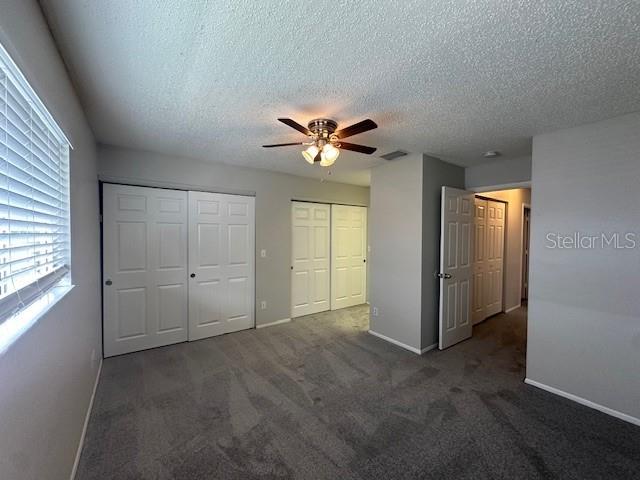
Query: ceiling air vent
[{"x": 393, "y": 155}]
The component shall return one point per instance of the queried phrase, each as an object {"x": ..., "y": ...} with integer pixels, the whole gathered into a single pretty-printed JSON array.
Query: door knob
[
  {"x": 193, "y": 275},
  {"x": 443, "y": 275},
  {"x": 108, "y": 282}
]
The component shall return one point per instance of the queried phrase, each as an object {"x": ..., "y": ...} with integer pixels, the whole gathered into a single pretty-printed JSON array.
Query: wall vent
[{"x": 393, "y": 155}]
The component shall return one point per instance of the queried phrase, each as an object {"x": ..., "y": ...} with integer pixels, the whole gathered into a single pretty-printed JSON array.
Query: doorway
[{"x": 481, "y": 258}]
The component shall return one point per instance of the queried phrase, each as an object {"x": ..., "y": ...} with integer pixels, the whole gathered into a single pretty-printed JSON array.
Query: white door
[
  {"x": 348, "y": 256},
  {"x": 495, "y": 257},
  {"x": 479, "y": 260},
  {"x": 221, "y": 264},
  {"x": 310, "y": 280},
  {"x": 145, "y": 268},
  {"x": 455, "y": 266},
  {"x": 526, "y": 229}
]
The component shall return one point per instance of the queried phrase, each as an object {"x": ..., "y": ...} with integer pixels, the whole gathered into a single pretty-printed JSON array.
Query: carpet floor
[{"x": 320, "y": 398}]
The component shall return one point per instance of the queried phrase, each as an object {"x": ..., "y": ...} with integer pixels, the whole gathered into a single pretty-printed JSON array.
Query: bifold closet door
[
  {"x": 221, "y": 264},
  {"x": 479, "y": 260},
  {"x": 310, "y": 260},
  {"x": 145, "y": 268},
  {"x": 348, "y": 256},
  {"x": 495, "y": 257}
]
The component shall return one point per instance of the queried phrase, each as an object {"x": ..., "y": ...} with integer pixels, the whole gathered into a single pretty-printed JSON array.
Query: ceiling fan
[{"x": 325, "y": 140}]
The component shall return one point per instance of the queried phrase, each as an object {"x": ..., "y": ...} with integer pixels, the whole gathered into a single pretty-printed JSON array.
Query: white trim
[
  {"x": 271, "y": 324},
  {"x": 511, "y": 309},
  {"x": 503, "y": 186},
  {"x": 142, "y": 182},
  {"x": 524, "y": 207},
  {"x": 400, "y": 344},
  {"x": 585, "y": 402},
  {"x": 86, "y": 424},
  {"x": 429, "y": 348}
]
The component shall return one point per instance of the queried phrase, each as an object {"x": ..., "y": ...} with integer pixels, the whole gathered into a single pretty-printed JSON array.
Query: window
[{"x": 34, "y": 195}]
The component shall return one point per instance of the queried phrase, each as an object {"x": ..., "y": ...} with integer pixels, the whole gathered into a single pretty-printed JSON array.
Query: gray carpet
[{"x": 319, "y": 398}]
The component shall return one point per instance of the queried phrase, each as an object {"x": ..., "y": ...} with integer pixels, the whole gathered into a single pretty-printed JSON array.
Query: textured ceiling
[{"x": 207, "y": 79}]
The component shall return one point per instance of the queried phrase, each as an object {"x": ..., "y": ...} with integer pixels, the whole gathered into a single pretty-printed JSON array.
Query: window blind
[{"x": 34, "y": 194}]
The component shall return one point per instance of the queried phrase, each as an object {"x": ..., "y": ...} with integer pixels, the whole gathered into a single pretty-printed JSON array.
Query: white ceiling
[{"x": 207, "y": 79}]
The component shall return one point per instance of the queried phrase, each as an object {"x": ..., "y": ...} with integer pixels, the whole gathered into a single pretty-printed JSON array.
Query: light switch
[{"x": 263, "y": 253}]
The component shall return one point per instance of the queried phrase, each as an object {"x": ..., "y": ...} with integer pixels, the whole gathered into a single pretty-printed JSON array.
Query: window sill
[{"x": 13, "y": 328}]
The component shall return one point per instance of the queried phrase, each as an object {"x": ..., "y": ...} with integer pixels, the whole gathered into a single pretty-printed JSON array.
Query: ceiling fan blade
[
  {"x": 282, "y": 144},
  {"x": 357, "y": 148},
  {"x": 356, "y": 128},
  {"x": 297, "y": 126},
  {"x": 318, "y": 157}
]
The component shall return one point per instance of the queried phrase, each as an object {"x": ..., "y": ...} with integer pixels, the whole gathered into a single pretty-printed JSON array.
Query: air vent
[{"x": 393, "y": 155}]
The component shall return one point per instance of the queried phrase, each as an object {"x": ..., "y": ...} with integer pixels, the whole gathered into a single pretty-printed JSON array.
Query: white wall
[
  {"x": 505, "y": 172},
  {"x": 47, "y": 375},
  {"x": 515, "y": 198},
  {"x": 404, "y": 234},
  {"x": 274, "y": 192},
  {"x": 584, "y": 306},
  {"x": 395, "y": 237}
]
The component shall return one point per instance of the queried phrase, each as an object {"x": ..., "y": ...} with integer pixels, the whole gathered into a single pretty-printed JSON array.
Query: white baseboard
[
  {"x": 511, "y": 309},
  {"x": 271, "y": 324},
  {"x": 403, "y": 345},
  {"x": 86, "y": 424},
  {"x": 430, "y": 347},
  {"x": 585, "y": 402}
]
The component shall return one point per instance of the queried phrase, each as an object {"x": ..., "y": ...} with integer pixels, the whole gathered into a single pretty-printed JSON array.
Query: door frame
[
  {"x": 525, "y": 206},
  {"x": 102, "y": 180}
]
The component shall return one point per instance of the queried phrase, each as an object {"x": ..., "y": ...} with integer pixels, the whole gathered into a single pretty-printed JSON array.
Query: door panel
[
  {"x": 221, "y": 264},
  {"x": 144, "y": 255},
  {"x": 310, "y": 258},
  {"x": 455, "y": 266},
  {"x": 348, "y": 246},
  {"x": 479, "y": 260},
  {"x": 494, "y": 258}
]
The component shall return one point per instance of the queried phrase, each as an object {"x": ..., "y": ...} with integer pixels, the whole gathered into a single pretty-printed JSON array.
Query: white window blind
[{"x": 34, "y": 194}]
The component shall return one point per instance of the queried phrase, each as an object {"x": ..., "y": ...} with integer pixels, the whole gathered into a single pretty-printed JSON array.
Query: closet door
[
  {"x": 310, "y": 282},
  {"x": 145, "y": 268},
  {"x": 348, "y": 256},
  {"x": 495, "y": 257},
  {"x": 479, "y": 260},
  {"x": 221, "y": 264}
]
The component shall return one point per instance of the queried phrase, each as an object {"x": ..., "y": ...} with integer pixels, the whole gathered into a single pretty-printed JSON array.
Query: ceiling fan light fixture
[
  {"x": 310, "y": 153},
  {"x": 325, "y": 161},
  {"x": 329, "y": 155}
]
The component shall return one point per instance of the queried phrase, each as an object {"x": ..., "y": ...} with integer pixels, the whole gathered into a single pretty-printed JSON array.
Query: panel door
[
  {"x": 348, "y": 251},
  {"x": 479, "y": 260},
  {"x": 145, "y": 268},
  {"x": 221, "y": 264},
  {"x": 310, "y": 260},
  {"x": 455, "y": 266},
  {"x": 495, "y": 257}
]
